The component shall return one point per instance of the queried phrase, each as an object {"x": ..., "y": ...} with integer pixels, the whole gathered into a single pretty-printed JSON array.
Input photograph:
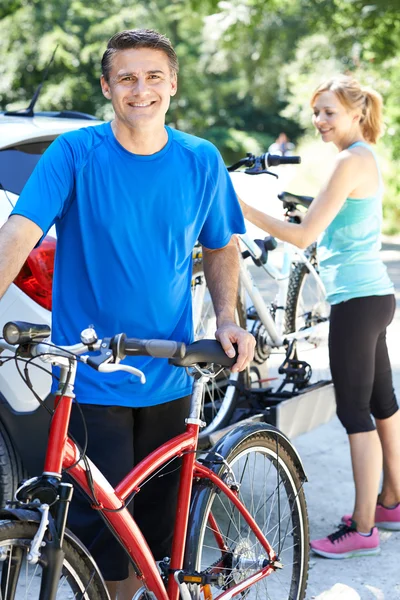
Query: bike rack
[
  {"x": 292, "y": 413},
  {"x": 308, "y": 409}
]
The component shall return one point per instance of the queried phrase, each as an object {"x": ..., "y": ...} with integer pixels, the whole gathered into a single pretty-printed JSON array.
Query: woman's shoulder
[
  {"x": 359, "y": 165},
  {"x": 355, "y": 158},
  {"x": 357, "y": 153}
]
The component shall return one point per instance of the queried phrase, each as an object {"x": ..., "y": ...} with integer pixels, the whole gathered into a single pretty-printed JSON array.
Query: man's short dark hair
[{"x": 138, "y": 38}]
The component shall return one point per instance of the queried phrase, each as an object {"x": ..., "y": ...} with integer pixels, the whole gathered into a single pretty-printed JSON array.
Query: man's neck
[{"x": 141, "y": 141}]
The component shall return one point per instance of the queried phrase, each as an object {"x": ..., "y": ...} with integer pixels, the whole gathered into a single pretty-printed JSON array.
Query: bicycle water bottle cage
[{"x": 266, "y": 245}]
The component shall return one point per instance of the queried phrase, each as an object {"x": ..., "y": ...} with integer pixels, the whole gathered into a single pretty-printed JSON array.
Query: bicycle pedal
[
  {"x": 190, "y": 577},
  {"x": 294, "y": 365},
  {"x": 297, "y": 372}
]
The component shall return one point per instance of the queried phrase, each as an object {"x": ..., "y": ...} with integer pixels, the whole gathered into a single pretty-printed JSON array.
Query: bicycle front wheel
[
  {"x": 222, "y": 393},
  {"x": 221, "y": 542},
  {"x": 20, "y": 580}
]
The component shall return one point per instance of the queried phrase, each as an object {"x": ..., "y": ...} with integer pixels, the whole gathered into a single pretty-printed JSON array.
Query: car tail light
[{"x": 36, "y": 276}]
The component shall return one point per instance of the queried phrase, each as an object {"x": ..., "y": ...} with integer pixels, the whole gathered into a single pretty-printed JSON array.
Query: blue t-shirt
[{"x": 126, "y": 226}]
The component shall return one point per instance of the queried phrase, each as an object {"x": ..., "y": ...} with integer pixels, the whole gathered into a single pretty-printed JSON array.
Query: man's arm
[
  {"x": 221, "y": 268},
  {"x": 17, "y": 238}
]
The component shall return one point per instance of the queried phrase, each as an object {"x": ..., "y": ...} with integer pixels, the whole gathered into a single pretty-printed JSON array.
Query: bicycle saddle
[
  {"x": 295, "y": 199},
  {"x": 204, "y": 351}
]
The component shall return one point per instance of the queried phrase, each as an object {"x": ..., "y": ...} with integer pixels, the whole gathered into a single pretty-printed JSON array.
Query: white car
[{"x": 23, "y": 140}]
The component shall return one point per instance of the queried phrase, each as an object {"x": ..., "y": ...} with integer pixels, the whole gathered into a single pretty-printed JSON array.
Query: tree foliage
[{"x": 247, "y": 66}]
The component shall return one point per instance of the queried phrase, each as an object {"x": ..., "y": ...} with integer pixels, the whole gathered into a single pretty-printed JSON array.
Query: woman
[{"x": 346, "y": 217}]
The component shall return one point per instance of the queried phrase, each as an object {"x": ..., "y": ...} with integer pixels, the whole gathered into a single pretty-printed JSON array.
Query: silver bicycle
[{"x": 298, "y": 315}]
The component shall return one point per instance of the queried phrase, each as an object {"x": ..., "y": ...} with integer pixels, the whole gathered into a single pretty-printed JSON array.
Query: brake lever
[
  {"x": 103, "y": 362},
  {"x": 111, "y": 368},
  {"x": 105, "y": 356},
  {"x": 256, "y": 171}
]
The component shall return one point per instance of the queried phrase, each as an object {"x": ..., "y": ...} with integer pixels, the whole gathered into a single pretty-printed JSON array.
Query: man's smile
[{"x": 141, "y": 104}]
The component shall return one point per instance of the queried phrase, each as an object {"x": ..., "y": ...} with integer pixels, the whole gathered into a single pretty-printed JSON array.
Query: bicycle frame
[
  {"x": 63, "y": 453},
  {"x": 275, "y": 327}
]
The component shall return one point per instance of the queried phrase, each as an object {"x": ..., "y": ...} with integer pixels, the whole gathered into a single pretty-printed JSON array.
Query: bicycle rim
[
  {"x": 272, "y": 492},
  {"x": 20, "y": 580}
]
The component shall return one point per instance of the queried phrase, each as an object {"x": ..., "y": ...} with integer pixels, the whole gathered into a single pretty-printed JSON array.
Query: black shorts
[{"x": 119, "y": 438}]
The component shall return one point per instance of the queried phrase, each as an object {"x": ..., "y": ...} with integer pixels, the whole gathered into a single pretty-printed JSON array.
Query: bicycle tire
[
  {"x": 220, "y": 397},
  {"x": 80, "y": 576},
  {"x": 261, "y": 452},
  {"x": 12, "y": 471},
  {"x": 304, "y": 308}
]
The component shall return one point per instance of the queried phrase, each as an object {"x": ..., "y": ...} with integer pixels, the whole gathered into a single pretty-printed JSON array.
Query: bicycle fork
[{"x": 51, "y": 497}]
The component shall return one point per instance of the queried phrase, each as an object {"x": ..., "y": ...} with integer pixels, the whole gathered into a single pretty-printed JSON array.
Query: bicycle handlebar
[
  {"x": 256, "y": 165},
  {"x": 26, "y": 341},
  {"x": 274, "y": 160},
  {"x": 122, "y": 345},
  {"x": 33, "y": 338}
]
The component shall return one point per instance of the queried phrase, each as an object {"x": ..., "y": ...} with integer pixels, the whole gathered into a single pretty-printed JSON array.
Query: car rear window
[{"x": 18, "y": 162}]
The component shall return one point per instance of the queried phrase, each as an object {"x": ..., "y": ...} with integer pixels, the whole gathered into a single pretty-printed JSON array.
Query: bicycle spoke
[
  {"x": 21, "y": 580},
  {"x": 268, "y": 492}
]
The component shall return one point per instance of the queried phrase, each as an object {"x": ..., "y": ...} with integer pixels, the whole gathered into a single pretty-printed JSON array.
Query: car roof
[{"x": 15, "y": 129}]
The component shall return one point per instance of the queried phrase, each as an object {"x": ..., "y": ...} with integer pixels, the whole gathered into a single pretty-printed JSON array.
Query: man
[
  {"x": 129, "y": 199},
  {"x": 282, "y": 146}
]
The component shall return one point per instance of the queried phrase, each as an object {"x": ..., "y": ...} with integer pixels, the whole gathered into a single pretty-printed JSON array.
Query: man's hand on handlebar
[{"x": 229, "y": 333}]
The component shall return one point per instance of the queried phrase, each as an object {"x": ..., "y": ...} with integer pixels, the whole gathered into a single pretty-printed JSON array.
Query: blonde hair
[{"x": 352, "y": 95}]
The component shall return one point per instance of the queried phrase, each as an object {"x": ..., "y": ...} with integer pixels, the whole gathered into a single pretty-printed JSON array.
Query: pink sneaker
[
  {"x": 386, "y": 518},
  {"x": 346, "y": 543}
]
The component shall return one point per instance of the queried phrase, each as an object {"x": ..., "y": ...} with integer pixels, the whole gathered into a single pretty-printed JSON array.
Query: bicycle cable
[{"x": 26, "y": 379}]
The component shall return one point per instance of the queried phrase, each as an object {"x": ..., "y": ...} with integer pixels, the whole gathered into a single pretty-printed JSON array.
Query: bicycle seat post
[
  {"x": 196, "y": 401},
  {"x": 193, "y": 424}
]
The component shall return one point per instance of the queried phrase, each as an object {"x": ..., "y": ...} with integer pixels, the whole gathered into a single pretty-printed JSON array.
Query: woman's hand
[{"x": 295, "y": 216}]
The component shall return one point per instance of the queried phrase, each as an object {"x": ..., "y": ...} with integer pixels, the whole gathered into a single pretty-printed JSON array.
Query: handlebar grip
[
  {"x": 274, "y": 160},
  {"x": 155, "y": 348}
]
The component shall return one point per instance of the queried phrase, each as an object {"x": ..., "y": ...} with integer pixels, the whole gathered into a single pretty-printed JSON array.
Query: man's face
[{"x": 140, "y": 87}]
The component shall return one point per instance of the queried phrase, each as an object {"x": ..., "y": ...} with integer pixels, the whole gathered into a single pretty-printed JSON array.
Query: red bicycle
[{"x": 241, "y": 524}]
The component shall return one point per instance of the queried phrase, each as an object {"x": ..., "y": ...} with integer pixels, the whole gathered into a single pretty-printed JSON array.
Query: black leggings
[{"x": 359, "y": 361}]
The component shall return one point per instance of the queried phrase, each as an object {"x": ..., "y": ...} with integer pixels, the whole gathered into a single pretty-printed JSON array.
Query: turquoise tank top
[{"x": 348, "y": 250}]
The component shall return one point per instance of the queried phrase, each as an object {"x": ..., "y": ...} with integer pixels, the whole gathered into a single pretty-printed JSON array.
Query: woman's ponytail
[{"x": 371, "y": 122}]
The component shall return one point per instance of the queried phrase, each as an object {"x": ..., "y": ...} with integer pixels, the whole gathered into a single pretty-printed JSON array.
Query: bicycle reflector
[{"x": 36, "y": 276}]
